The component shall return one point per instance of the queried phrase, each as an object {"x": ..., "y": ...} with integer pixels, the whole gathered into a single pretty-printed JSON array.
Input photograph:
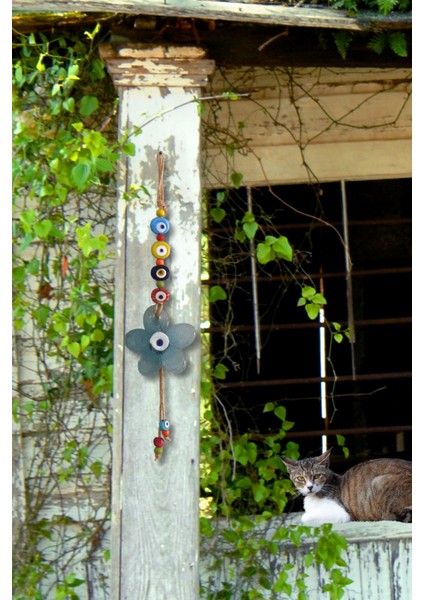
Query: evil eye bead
[
  {"x": 164, "y": 425},
  {"x": 160, "y": 295},
  {"x": 159, "y": 341},
  {"x": 160, "y": 273},
  {"x": 161, "y": 250},
  {"x": 159, "y": 225}
]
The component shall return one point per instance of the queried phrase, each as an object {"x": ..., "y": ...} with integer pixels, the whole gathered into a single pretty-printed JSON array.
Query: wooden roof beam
[{"x": 242, "y": 12}]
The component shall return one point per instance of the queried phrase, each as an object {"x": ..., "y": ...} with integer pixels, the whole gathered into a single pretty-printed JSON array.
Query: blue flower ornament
[{"x": 160, "y": 344}]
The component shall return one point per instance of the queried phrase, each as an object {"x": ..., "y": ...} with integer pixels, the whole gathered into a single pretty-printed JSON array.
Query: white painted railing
[{"x": 378, "y": 555}]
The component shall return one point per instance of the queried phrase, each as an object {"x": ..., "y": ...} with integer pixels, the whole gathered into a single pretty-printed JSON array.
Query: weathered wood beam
[
  {"x": 155, "y": 511},
  {"x": 274, "y": 14}
]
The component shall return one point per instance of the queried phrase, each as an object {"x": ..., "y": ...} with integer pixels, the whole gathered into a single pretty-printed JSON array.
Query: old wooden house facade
[{"x": 281, "y": 125}]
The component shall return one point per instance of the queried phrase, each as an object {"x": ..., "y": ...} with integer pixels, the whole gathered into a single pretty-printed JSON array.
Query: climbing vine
[{"x": 64, "y": 164}]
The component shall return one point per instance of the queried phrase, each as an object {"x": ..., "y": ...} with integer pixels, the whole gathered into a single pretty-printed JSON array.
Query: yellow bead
[{"x": 161, "y": 212}]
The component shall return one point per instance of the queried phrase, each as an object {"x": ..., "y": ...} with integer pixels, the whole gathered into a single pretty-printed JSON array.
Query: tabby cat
[{"x": 374, "y": 490}]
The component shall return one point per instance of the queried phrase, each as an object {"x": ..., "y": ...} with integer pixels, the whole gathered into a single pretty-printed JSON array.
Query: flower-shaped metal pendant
[{"x": 160, "y": 344}]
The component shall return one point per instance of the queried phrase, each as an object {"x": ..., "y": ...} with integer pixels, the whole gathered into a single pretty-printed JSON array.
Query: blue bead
[
  {"x": 159, "y": 225},
  {"x": 164, "y": 425}
]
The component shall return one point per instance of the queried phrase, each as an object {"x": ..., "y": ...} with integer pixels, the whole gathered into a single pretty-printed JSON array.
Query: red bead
[
  {"x": 165, "y": 433},
  {"x": 160, "y": 261},
  {"x": 160, "y": 295},
  {"x": 160, "y": 237},
  {"x": 158, "y": 442}
]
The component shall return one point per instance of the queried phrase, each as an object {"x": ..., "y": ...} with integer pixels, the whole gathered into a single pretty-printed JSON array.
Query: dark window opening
[{"x": 369, "y": 382}]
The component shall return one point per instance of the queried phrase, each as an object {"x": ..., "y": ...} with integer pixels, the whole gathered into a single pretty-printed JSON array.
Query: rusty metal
[
  {"x": 312, "y": 380},
  {"x": 311, "y": 325},
  {"x": 300, "y": 277}
]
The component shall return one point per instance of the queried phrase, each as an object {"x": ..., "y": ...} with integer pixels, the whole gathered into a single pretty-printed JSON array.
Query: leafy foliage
[
  {"x": 65, "y": 157},
  {"x": 64, "y": 162}
]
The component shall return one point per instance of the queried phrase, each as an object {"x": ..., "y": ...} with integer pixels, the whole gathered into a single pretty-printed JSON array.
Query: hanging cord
[
  {"x": 161, "y": 395},
  {"x": 161, "y": 168},
  {"x": 161, "y": 205}
]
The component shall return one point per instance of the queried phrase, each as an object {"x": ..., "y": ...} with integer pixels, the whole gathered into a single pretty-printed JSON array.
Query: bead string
[{"x": 160, "y": 295}]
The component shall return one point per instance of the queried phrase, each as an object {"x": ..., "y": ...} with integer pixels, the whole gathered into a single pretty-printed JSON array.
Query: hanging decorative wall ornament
[{"x": 160, "y": 345}]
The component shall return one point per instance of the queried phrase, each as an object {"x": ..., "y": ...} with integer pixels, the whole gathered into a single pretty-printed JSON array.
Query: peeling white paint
[{"x": 154, "y": 494}]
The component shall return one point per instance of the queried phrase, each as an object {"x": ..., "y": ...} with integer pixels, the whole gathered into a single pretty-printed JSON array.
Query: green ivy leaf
[
  {"x": 43, "y": 228},
  {"x": 218, "y": 214},
  {"x": 280, "y": 412},
  {"x": 217, "y": 293},
  {"x": 69, "y": 104},
  {"x": 88, "y": 105},
  {"x": 236, "y": 179},
  {"x": 128, "y": 148},
  {"x": 318, "y": 299},
  {"x": 220, "y": 371},
  {"x": 74, "y": 348},
  {"x": 250, "y": 229},
  {"x": 264, "y": 253},
  {"x": 80, "y": 175},
  {"x": 312, "y": 310},
  {"x": 308, "y": 291},
  {"x": 283, "y": 249}
]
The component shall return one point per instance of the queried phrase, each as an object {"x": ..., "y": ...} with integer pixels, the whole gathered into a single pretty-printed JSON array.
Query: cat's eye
[{"x": 300, "y": 479}]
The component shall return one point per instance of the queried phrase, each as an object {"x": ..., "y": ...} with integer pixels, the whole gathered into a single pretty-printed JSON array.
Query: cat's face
[{"x": 310, "y": 474}]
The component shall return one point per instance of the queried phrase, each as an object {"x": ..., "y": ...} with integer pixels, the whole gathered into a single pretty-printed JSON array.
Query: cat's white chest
[{"x": 323, "y": 510}]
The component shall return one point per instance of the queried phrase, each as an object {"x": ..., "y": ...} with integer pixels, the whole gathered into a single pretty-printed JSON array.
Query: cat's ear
[
  {"x": 325, "y": 457},
  {"x": 290, "y": 464}
]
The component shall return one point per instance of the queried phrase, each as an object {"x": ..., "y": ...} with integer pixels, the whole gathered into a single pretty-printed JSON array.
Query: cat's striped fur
[{"x": 374, "y": 490}]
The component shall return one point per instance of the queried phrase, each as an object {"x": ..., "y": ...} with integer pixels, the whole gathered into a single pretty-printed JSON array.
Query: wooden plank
[
  {"x": 325, "y": 119},
  {"x": 233, "y": 11},
  {"x": 278, "y": 165},
  {"x": 321, "y": 81},
  {"x": 355, "y": 124},
  {"x": 156, "y": 504}
]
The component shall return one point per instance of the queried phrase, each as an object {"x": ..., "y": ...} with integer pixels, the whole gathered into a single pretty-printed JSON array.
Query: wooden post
[{"x": 154, "y": 551}]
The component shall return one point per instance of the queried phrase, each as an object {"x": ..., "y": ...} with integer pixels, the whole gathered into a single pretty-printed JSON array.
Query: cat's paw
[{"x": 312, "y": 521}]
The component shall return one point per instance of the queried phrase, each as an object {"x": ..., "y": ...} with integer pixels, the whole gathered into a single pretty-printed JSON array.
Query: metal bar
[
  {"x": 347, "y": 431},
  {"x": 354, "y": 223},
  {"x": 312, "y": 380},
  {"x": 349, "y": 292},
  {"x": 329, "y": 275},
  {"x": 312, "y": 325},
  {"x": 254, "y": 289},
  {"x": 341, "y": 431},
  {"x": 323, "y": 364}
]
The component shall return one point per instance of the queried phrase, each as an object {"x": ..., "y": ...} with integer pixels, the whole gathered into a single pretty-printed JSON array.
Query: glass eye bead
[
  {"x": 160, "y": 295},
  {"x": 160, "y": 273},
  {"x": 159, "y": 341},
  {"x": 161, "y": 250},
  {"x": 164, "y": 425},
  {"x": 159, "y": 225}
]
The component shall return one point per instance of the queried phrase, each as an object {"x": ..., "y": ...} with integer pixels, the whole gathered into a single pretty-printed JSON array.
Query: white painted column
[{"x": 155, "y": 517}]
